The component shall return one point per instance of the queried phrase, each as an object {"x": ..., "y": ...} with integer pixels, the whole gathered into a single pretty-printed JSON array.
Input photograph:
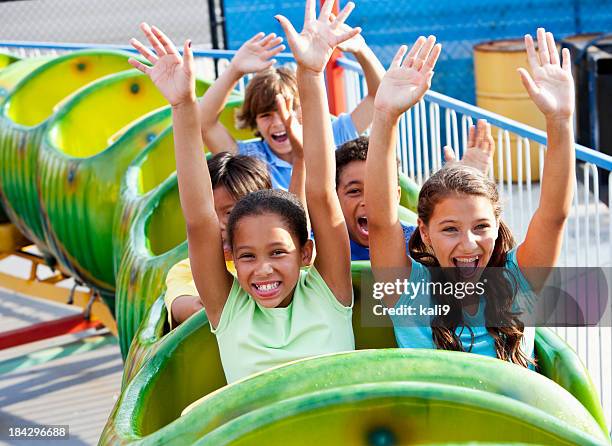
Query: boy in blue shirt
[{"x": 260, "y": 113}]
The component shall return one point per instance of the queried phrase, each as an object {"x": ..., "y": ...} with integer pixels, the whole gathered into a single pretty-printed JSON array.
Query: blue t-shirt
[
  {"x": 359, "y": 252},
  {"x": 415, "y": 331},
  {"x": 280, "y": 170}
]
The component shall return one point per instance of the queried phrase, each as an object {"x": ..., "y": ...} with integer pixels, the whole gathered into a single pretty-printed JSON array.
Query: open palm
[
  {"x": 313, "y": 47},
  {"x": 480, "y": 148},
  {"x": 352, "y": 45},
  {"x": 171, "y": 74},
  {"x": 405, "y": 83},
  {"x": 256, "y": 53},
  {"x": 551, "y": 87}
]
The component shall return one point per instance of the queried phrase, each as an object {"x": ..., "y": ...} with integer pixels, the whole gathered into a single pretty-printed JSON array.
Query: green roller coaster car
[
  {"x": 413, "y": 396},
  {"x": 166, "y": 372},
  {"x": 12, "y": 70}
]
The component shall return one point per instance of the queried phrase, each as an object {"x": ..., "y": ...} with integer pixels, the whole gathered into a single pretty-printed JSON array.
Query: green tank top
[{"x": 252, "y": 338}]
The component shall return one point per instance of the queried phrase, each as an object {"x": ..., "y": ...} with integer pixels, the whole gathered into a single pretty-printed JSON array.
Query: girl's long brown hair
[{"x": 502, "y": 324}]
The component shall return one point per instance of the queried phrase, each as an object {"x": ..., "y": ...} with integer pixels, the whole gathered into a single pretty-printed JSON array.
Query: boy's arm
[
  {"x": 312, "y": 49},
  {"x": 175, "y": 78},
  {"x": 183, "y": 307},
  {"x": 480, "y": 148},
  {"x": 373, "y": 72},
  {"x": 297, "y": 185},
  {"x": 552, "y": 90},
  {"x": 254, "y": 55},
  {"x": 402, "y": 87},
  {"x": 181, "y": 296}
]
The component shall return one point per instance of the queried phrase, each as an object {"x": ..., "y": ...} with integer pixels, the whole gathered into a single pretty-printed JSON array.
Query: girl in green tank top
[{"x": 272, "y": 312}]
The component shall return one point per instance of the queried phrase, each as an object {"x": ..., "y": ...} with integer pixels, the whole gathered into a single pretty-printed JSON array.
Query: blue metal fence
[{"x": 457, "y": 24}]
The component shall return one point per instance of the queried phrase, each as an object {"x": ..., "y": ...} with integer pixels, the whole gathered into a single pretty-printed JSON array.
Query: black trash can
[{"x": 591, "y": 56}]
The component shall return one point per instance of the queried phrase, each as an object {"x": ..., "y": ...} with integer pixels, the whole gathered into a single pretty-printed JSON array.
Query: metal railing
[{"x": 441, "y": 120}]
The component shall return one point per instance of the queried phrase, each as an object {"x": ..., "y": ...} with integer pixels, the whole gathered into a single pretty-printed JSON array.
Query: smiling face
[
  {"x": 224, "y": 203},
  {"x": 461, "y": 232},
  {"x": 268, "y": 258},
  {"x": 272, "y": 129}
]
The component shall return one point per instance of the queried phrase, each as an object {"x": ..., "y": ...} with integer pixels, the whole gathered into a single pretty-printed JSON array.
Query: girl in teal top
[
  {"x": 459, "y": 224},
  {"x": 272, "y": 312}
]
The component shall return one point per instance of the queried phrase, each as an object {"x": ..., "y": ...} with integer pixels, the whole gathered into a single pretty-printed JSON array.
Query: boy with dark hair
[{"x": 350, "y": 179}]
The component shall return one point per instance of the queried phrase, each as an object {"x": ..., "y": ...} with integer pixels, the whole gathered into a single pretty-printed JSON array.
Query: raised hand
[
  {"x": 551, "y": 87},
  {"x": 257, "y": 53},
  {"x": 405, "y": 83},
  {"x": 480, "y": 148},
  {"x": 171, "y": 74},
  {"x": 352, "y": 45},
  {"x": 284, "y": 107},
  {"x": 313, "y": 47}
]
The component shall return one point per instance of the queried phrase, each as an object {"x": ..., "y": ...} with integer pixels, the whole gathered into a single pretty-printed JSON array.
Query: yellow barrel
[{"x": 499, "y": 89}]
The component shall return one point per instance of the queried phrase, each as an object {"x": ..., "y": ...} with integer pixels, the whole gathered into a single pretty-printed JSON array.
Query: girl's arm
[
  {"x": 312, "y": 49},
  {"x": 175, "y": 78},
  {"x": 402, "y": 87},
  {"x": 552, "y": 90},
  {"x": 254, "y": 55},
  {"x": 295, "y": 132}
]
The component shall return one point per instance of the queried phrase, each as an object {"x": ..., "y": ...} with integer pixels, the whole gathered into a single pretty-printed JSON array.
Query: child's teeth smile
[{"x": 267, "y": 288}]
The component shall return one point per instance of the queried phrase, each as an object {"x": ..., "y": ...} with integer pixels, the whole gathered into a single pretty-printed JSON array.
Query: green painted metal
[
  {"x": 12, "y": 73},
  {"x": 185, "y": 365},
  {"x": 12, "y": 70},
  {"x": 560, "y": 363},
  {"x": 411, "y": 413},
  {"x": 409, "y": 193},
  {"x": 407, "y": 216},
  {"x": 6, "y": 59},
  {"x": 24, "y": 117},
  {"x": 156, "y": 242}
]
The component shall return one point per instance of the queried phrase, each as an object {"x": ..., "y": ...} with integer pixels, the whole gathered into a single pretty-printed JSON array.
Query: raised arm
[
  {"x": 373, "y": 72},
  {"x": 254, "y": 55},
  {"x": 552, "y": 90},
  {"x": 297, "y": 185},
  {"x": 402, "y": 87},
  {"x": 175, "y": 79},
  {"x": 312, "y": 48}
]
